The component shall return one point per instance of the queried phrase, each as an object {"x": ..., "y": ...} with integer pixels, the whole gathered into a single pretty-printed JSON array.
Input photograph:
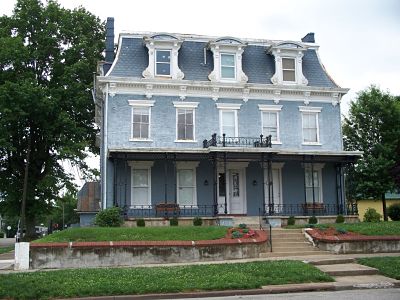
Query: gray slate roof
[{"x": 257, "y": 64}]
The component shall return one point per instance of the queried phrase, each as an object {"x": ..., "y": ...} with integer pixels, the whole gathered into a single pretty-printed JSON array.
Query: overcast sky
[{"x": 359, "y": 40}]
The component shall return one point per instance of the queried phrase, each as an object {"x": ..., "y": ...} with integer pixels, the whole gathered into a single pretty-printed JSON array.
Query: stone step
[
  {"x": 332, "y": 261},
  {"x": 350, "y": 269},
  {"x": 285, "y": 254},
  {"x": 291, "y": 244},
  {"x": 293, "y": 250},
  {"x": 292, "y": 238}
]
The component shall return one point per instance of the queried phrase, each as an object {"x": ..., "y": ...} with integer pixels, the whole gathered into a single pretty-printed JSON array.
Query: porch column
[
  {"x": 165, "y": 177},
  {"x": 215, "y": 179},
  {"x": 263, "y": 184},
  {"x": 115, "y": 202},
  {"x": 312, "y": 184},
  {"x": 176, "y": 181},
  {"x": 226, "y": 181},
  {"x": 270, "y": 191},
  {"x": 339, "y": 189},
  {"x": 305, "y": 186},
  {"x": 126, "y": 184}
]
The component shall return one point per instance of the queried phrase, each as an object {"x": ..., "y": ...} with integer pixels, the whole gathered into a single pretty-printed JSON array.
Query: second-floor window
[
  {"x": 163, "y": 62},
  {"x": 228, "y": 68},
  {"x": 141, "y": 122},
  {"x": 270, "y": 124},
  {"x": 185, "y": 124},
  {"x": 310, "y": 125},
  {"x": 288, "y": 69},
  {"x": 141, "y": 119},
  {"x": 229, "y": 123}
]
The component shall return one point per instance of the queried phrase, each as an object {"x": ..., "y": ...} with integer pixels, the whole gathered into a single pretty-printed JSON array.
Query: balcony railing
[
  {"x": 228, "y": 141},
  {"x": 310, "y": 209}
]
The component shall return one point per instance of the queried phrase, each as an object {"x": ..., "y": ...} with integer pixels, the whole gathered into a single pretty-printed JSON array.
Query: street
[{"x": 367, "y": 294}]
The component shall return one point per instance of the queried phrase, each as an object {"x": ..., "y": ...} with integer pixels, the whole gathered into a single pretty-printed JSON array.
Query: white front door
[
  {"x": 276, "y": 188},
  {"x": 236, "y": 192}
]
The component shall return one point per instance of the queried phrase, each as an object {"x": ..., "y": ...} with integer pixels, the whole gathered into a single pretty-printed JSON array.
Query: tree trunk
[{"x": 385, "y": 216}]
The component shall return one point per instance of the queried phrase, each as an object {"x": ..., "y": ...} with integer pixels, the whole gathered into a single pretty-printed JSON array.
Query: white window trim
[
  {"x": 170, "y": 63},
  {"x": 187, "y": 165},
  {"x": 292, "y": 50},
  {"x": 276, "y": 109},
  {"x": 171, "y": 43},
  {"x": 141, "y": 165},
  {"x": 140, "y": 104},
  {"x": 227, "y": 45},
  {"x": 317, "y": 167},
  {"x": 310, "y": 110},
  {"x": 232, "y": 107}
]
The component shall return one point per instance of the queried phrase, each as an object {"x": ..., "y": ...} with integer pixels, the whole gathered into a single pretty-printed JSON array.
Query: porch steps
[{"x": 290, "y": 242}]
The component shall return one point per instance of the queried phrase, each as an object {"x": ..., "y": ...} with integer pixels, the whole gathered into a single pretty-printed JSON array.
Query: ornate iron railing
[
  {"x": 310, "y": 209},
  {"x": 228, "y": 141}
]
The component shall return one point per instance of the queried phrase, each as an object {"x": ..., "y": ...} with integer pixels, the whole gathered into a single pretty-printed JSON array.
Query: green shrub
[
  {"x": 371, "y": 215},
  {"x": 173, "y": 221},
  {"x": 339, "y": 219},
  {"x": 394, "y": 212},
  {"x": 197, "y": 221},
  {"x": 291, "y": 220},
  {"x": 242, "y": 226},
  {"x": 109, "y": 217},
  {"x": 312, "y": 220},
  {"x": 237, "y": 234},
  {"x": 341, "y": 230},
  {"x": 246, "y": 230},
  {"x": 140, "y": 223}
]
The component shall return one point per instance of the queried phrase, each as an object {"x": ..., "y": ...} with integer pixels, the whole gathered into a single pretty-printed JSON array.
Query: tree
[
  {"x": 64, "y": 211},
  {"x": 373, "y": 126},
  {"x": 47, "y": 58}
]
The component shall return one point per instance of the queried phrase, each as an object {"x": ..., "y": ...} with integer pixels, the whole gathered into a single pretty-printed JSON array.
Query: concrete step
[
  {"x": 292, "y": 238},
  {"x": 350, "y": 269},
  {"x": 6, "y": 264},
  {"x": 291, "y": 243},
  {"x": 293, "y": 250},
  {"x": 332, "y": 261},
  {"x": 286, "y": 254},
  {"x": 365, "y": 282}
]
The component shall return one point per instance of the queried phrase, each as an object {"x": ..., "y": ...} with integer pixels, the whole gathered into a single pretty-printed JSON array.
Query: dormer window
[
  {"x": 289, "y": 69},
  {"x": 227, "y": 54},
  {"x": 163, "y": 57},
  {"x": 228, "y": 69},
  {"x": 288, "y": 63},
  {"x": 163, "y": 62}
]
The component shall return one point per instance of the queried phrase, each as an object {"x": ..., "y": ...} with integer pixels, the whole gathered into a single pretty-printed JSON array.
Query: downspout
[{"x": 105, "y": 141}]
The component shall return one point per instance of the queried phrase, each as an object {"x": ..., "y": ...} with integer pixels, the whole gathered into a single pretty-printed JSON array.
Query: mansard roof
[{"x": 196, "y": 60}]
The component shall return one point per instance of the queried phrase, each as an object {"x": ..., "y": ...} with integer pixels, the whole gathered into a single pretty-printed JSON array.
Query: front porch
[{"x": 227, "y": 181}]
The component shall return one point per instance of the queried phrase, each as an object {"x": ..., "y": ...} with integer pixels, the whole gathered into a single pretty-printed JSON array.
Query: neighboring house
[
  {"x": 88, "y": 203},
  {"x": 363, "y": 205},
  {"x": 208, "y": 126}
]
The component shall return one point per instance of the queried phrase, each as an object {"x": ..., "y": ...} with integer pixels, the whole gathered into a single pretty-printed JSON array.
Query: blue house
[{"x": 206, "y": 126}]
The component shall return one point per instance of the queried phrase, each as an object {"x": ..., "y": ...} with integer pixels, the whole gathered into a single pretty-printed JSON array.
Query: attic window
[
  {"x": 163, "y": 57},
  {"x": 289, "y": 69}
]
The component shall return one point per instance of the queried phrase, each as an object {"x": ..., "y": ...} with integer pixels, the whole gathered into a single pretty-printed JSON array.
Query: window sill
[
  {"x": 311, "y": 144},
  {"x": 140, "y": 207},
  {"x": 188, "y": 206},
  {"x": 276, "y": 143},
  {"x": 140, "y": 140},
  {"x": 185, "y": 141}
]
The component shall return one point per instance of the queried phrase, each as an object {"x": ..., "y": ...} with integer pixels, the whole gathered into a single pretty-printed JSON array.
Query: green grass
[
  {"x": 388, "y": 266},
  {"x": 129, "y": 281},
  {"x": 366, "y": 228},
  {"x": 179, "y": 233},
  {"x": 6, "y": 249}
]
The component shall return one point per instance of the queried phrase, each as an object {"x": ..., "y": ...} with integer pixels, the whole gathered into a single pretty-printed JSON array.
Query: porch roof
[{"x": 234, "y": 153}]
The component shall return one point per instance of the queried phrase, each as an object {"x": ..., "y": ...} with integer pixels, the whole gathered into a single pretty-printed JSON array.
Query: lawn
[
  {"x": 177, "y": 233},
  {"x": 6, "y": 249},
  {"x": 388, "y": 266},
  {"x": 366, "y": 228},
  {"x": 129, "y": 281}
]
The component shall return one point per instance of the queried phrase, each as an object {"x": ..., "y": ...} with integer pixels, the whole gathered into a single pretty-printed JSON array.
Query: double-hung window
[
  {"x": 313, "y": 183},
  {"x": 228, "y": 119},
  {"x": 289, "y": 69},
  {"x": 270, "y": 121},
  {"x": 185, "y": 121},
  {"x": 228, "y": 68},
  {"x": 140, "y": 184},
  {"x": 163, "y": 62},
  {"x": 310, "y": 125},
  {"x": 141, "y": 116},
  {"x": 186, "y": 183}
]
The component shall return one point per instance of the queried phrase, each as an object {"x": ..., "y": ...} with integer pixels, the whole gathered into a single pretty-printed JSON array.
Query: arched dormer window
[
  {"x": 227, "y": 53},
  {"x": 163, "y": 57},
  {"x": 288, "y": 63}
]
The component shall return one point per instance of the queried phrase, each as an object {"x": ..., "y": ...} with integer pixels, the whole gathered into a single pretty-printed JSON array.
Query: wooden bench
[
  {"x": 314, "y": 206},
  {"x": 167, "y": 209}
]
